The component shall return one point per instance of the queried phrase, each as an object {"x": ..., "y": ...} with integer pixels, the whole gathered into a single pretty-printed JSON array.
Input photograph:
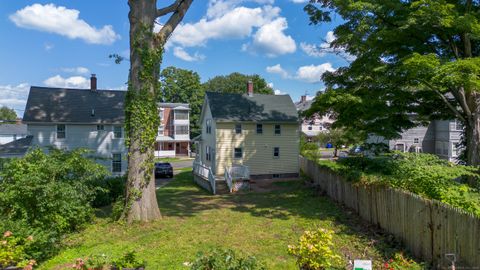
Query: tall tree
[
  {"x": 412, "y": 57},
  {"x": 237, "y": 83},
  {"x": 7, "y": 114},
  {"x": 182, "y": 85},
  {"x": 141, "y": 112}
]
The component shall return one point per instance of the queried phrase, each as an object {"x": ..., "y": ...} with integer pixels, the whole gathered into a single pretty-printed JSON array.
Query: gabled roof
[
  {"x": 178, "y": 106},
  {"x": 303, "y": 106},
  {"x": 229, "y": 107},
  {"x": 16, "y": 148},
  {"x": 12, "y": 129},
  {"x": 60, "y": 105}
]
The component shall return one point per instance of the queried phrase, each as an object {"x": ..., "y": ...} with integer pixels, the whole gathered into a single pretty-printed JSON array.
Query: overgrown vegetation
[
  {"x": 423, "y": 174},
  {"x": 46, "y": 196},
  {"x": 225, "y": 259}
]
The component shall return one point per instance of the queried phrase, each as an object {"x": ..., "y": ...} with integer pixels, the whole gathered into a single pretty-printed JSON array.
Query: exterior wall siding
[
  {"x": 257, "y": 149},
  {"x": 207, "y": 139},
  {"x": 102, "y": 143}
]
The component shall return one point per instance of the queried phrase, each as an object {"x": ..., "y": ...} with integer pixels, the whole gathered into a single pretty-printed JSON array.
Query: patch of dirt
[{"x": 268, "y": 185}]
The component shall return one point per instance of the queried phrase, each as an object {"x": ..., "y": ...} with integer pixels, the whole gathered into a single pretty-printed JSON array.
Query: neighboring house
[
  {"x": 79, "y": 118},
  {"x": 16, "y": 149},
  {"x": 12, "y": 132},
  {"x": 253, "y": 131},
  {"x": 311, "y": 127},
  {"x": 173, "y": 137},
  {"x": 440, "y": 137}
]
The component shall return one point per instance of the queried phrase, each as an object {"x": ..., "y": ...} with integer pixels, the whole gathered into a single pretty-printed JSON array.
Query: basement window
[{"x": 237, "y": 153}]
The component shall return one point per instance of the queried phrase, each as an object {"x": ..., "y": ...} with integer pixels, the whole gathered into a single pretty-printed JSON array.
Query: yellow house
[{"x": 254, "y": 132}]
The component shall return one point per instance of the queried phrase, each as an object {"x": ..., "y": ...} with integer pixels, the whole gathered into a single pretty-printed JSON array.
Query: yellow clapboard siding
[{"x": 258, "y": 148}]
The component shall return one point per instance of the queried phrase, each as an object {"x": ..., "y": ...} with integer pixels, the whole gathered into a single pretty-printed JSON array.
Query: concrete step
[{"x": 221, "y": 187}]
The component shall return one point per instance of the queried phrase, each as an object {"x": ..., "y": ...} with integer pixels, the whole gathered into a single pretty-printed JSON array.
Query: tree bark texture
[
  {"x": 141, "y": 200},
  {"x": 472, "y": 130}
]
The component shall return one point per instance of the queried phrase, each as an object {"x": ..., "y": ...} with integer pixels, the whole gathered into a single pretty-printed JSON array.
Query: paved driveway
[{"x": 177, "y": 165}]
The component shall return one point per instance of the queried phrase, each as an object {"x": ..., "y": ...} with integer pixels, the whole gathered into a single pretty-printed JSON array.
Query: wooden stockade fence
[{"x": 428, "y": 228}]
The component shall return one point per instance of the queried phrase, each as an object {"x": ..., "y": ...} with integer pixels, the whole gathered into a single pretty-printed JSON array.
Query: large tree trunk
[
  {"x": 472, "y": 136},
  {"x": 141, "y": 111}
]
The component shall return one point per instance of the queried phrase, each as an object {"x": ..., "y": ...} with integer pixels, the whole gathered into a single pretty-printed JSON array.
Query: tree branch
[
  {"x": 445, "y": 100},
  {"x": 166, "y": 10},
  {"x": 173, "y": 21}
]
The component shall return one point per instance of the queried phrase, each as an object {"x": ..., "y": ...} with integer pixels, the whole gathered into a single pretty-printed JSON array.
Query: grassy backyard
[{"x": 253, "y": 223}]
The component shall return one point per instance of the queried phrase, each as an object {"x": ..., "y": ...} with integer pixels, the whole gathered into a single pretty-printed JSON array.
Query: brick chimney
[
  {"x": 250, "y": 88},
  {"x": 303, "y": 99},
  {"x": 93, "y": 83}
]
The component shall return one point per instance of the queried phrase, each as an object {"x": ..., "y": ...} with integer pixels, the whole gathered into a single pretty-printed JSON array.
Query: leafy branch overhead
[{"x": 416, "y": 57}]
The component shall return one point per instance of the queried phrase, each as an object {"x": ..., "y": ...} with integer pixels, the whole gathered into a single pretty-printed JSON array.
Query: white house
[
  {"x": 12, "y": 132},
  {"x": 173, "y": 138},
  {"x": 79, "y": 118},
  {"x": 311, "y": 127}
]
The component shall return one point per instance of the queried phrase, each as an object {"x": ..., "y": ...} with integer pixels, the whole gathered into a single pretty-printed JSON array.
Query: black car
[{"x": 163, "y": 169}]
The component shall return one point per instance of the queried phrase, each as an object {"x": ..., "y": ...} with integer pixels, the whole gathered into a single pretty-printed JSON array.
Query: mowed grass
[{"x": 262, "y": 224}]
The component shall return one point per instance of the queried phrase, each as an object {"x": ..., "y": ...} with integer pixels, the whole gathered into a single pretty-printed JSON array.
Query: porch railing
[
  {"x": 228, "y": 180},
  {"x": 239, "y": 172},
  {"x": 205, "y": 173}
]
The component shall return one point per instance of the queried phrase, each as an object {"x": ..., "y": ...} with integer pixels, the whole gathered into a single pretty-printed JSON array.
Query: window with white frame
[
  {"x": 181, "y": 115},
  {"x": 276, "y": 152},
  {"x": 181, "y": 130},
  {"x": 259, "y": 129},
  {"x": 61, "y": 132},
  {"x": 208, "y": 155},
  {"x": 116, "y": 162},
  {"x": 278, "y": 130},
  {"x": 310, "y": 127},
  {"x": 416, "y": 140},
  {"x": 238, "y": 128},
  {"x": 117, "y": 132},
  {"x": 237, "y": 152},
  {"x": 209, "y": 126},
  {"x": 100, "y": 127}
]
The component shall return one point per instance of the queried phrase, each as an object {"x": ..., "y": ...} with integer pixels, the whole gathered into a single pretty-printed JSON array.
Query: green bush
[
  {"x": 128, "y": 260},
  {"x": 12, "y": 251},
  {"x": 109, "y": 190},
  {"x": 423, "y": 174},
  {"x": 50, "y": 191},
  {"x": 314, "y": 251},
  {"x": 219, "y": 259}
]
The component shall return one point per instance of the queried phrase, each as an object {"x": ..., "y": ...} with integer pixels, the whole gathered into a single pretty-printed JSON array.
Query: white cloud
[
  {"x": 271, "y": 40},
  {"x": 277, "y": 69},
  {"x": 14, "y": 96},
  {"x": 324, "y": 48},
  {"x": 63, "y": 21},
  {"x": 234, "y": 24},
  {"x": 70, "y": 82},
  {"x": 299, "y": 1},
  {"x": 217, "y": 8},
  {"x": 48, "y": 46},
  {"x": 313, "y": 73},
  {"x": 182, "y": 54},
  {"x": 279, "y": 92},
  {"x": 76, "y": 70}
]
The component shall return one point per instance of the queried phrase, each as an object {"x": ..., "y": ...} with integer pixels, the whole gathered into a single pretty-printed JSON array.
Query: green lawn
[{"x": 260, "y": 224}]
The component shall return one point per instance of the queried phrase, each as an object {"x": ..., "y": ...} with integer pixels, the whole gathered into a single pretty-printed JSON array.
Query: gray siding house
[
  {"x": 79, "y": 118},
  {"x": 440, "y": 137},
  {"x": 12, "y": 132}
]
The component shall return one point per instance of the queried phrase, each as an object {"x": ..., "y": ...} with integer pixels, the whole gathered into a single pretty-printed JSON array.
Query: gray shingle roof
[
  {"x": 258, "y": 108},
  {"x": 60, "y": 105},
  {"x": 18, "y": 147},
  {"x": 303, "y": 106},
  {"x": 13, "y": 129}
]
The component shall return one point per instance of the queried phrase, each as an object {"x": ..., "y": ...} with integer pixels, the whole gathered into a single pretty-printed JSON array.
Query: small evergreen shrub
[
  {"x": 314, "y": 251},
  {"x": 219, "y": 259}
]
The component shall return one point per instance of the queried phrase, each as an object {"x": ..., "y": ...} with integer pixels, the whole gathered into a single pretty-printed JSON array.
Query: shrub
[
  {"x": 128, "y": 260},
  {"x": 94, "y": 262},
  {"x": 225, "y": 260},
  {"x": 109, "y": 190},
  {"x": 12, "y": 251},
  {"x": 50, "y": 191},
  {"x": 314, "y": 251}
]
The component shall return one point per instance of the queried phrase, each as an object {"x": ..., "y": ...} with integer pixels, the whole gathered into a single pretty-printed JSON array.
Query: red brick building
[{"x": 173, "y": 137}]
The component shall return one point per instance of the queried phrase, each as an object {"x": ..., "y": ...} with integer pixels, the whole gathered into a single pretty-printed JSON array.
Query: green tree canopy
[
  {"x": 183, "y": 86},
  {"x": 417, "y": 57},
  {"x": 7, "y": 114},
  {"x": 237, "y": 83}
]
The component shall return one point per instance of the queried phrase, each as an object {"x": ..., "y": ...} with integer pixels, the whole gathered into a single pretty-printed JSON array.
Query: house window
[
  {"x": 310, "y": 128},
  {"x": 278, "y": 130},
  {"x": 458, "y": 125},
  {"x": 181, "y": 130},
  {"x": 61, "y": 134},
  {"x": 100, "y": 127},
  {"x": 416, "y": 140},
  {"x": 237, "y": 153},
  {"x": 276, "y": 152},
  {"x": 117, "y": 132},
  {"x": 276, "y": 175},
  {"x": 208, "y": 154},
  {"x": 117, "y": 162},
  {"x": 181, "y": 115},
  {"x": 259, "y": 129},
  {"x": 238, "y": 128},
  {"x": 209, "y": 126}
]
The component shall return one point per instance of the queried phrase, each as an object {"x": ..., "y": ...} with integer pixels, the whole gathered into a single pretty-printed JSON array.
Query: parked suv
[{"x": 163, "y": 169}]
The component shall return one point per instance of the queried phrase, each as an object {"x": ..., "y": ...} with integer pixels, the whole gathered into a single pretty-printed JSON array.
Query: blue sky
[{"x": 60, "y": 43}]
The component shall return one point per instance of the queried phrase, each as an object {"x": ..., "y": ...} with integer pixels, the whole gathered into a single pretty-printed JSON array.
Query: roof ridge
[{"x": 77, "y": 89}]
